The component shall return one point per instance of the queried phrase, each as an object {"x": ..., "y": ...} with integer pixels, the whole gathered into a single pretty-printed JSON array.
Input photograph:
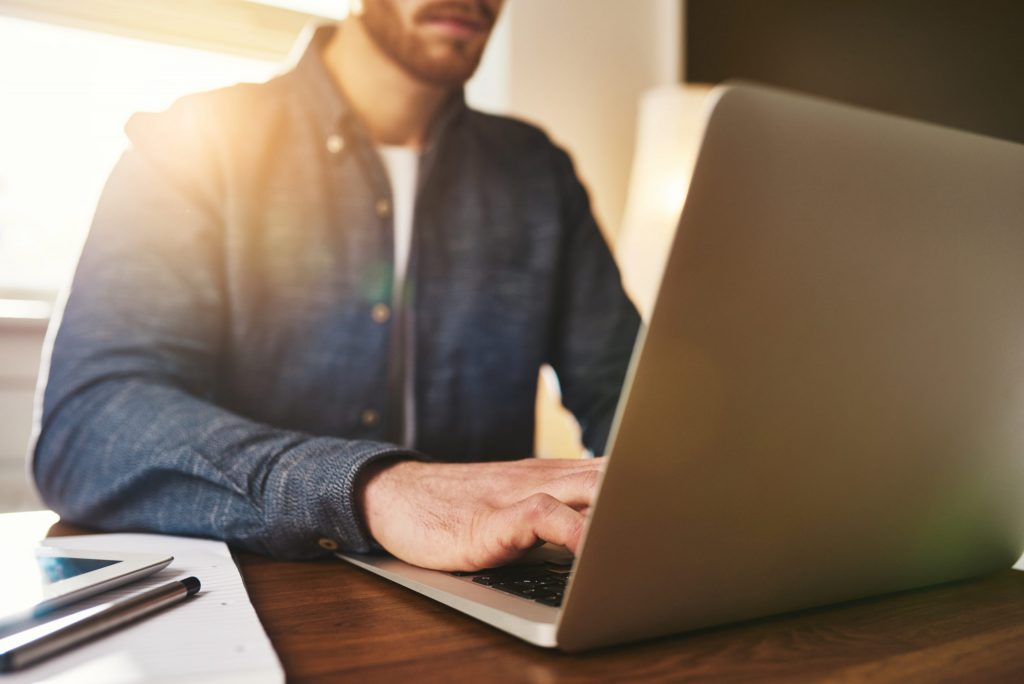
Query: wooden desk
[{"x": 331, "y": 622}]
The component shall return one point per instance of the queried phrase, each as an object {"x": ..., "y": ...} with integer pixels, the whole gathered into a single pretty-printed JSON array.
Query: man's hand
[{"x": 453, "y": 516}]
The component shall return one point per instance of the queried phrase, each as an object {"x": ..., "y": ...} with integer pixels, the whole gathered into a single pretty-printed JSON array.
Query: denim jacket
[{"x": 223, "y": 367}]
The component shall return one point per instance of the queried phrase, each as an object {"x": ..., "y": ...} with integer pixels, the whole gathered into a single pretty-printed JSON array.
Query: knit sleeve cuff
[{"x": 309, "y": 499}]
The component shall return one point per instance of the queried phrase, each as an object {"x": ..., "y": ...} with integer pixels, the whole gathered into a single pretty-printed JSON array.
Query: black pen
[{"x": 35, "y": 643}]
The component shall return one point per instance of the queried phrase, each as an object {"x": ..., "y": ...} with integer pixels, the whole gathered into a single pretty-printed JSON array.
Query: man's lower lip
[{"x": 456, "y": 28}]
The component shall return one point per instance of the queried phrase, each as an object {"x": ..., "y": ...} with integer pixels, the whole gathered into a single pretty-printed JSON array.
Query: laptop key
[
  {"x": 487, "y": 580},
  {"x": 550, "y": 600}
]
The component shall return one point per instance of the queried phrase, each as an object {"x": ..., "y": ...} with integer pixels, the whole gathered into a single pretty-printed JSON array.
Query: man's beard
[{"x": 413, "y": 54}]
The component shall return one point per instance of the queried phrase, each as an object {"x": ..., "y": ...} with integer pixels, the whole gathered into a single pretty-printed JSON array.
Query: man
[{"x": 258, "y": 346}]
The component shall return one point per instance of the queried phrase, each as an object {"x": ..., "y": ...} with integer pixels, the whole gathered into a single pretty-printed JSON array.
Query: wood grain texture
[{"x": 332, "y": 622}]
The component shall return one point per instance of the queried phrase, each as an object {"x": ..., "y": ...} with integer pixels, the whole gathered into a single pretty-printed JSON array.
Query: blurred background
[{"x": 619, "y": 84}]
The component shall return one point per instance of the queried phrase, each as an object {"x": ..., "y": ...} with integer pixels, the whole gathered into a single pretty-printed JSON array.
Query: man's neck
[{"x": 395, "y": 107}]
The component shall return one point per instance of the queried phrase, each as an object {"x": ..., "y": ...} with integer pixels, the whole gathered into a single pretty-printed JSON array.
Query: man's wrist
[{"x": 373, "y": 488}]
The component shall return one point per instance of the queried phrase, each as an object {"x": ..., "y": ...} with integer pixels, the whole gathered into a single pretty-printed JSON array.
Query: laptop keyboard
[{"x": 543, "y": 584}]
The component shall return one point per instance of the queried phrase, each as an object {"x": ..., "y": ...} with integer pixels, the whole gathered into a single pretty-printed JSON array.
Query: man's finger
[
  {"x": 542, "y": 517},
  {"x": 575, "y": 489}
]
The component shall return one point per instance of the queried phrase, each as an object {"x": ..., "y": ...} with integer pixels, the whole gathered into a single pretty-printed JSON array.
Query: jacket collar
[{"x": 327, "y": 102}]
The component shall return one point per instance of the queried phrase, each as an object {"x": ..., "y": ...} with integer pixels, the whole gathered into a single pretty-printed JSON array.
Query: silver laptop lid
[{"x": 829, "y": 401}]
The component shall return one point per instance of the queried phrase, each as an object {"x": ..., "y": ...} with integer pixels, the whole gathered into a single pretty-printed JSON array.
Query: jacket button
[
  {"x": 335, "y": 143},
  {"x": 369, "y": 418},
  {"x": 328, "y": 544},
  {"x": 383, "y": 208},
  {"x": 380, "y": 313}
]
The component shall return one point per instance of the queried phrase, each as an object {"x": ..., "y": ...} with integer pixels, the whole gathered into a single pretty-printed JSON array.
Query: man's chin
[{"x": 447, "y": 73}]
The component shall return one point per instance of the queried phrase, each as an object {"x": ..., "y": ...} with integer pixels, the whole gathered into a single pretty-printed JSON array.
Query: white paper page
[{"x": 212, "y": 637}]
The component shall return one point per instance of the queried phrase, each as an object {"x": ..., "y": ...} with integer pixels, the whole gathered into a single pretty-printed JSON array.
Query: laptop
[{"x": 828, "y": 401}]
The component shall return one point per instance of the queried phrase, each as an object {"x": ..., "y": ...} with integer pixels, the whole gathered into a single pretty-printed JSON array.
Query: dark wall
[{"x": 955, "y": 62}]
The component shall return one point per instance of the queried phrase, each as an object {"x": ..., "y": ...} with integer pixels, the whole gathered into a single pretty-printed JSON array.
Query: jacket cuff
[
  {"x": 309, "y": 498},
  {"x": 595, "y": 434}
]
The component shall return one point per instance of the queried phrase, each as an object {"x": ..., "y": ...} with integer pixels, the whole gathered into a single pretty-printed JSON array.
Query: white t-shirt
[{"x": 402, "y": 165}]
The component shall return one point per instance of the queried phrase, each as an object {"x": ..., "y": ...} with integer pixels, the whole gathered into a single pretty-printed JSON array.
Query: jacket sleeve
[
  {"x": 130, "y": 435},
  {"x": 595, "y": 325}
]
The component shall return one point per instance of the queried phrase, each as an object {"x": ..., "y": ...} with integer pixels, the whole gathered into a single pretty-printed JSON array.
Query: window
[
  {"x": 66, "y": 95},
  {"x": 67, "y": 90}
]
